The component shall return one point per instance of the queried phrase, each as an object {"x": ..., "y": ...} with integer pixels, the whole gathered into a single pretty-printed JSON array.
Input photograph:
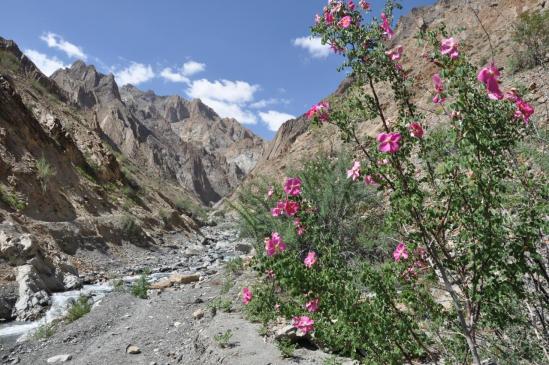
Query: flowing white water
[{"x": 12, "y": 331}]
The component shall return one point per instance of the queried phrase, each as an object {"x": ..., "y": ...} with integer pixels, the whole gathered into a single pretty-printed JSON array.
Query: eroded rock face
[
  {"x": 184, "y": 141},
  {"x": 37, "y": 276}
]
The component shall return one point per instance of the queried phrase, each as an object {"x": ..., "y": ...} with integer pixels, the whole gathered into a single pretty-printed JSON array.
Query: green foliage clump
[
  {"x": 234, "y": 265},
  {"x": 223, "y": 339},
  {"x": 13, "y": 200},
  {"x": 129, "y": 225},
  {"x": 286, "y": 347},
  {"x": 531, "y": 37},
  {"x": 140, "y": 287},
  {"x": 44, "y": 331},
  {"x": 192, "y": 209},
  {"x": 225, "y": 305},
  {"x": 79, "y": 309},
  {"x": 9, "y": 61},
  {"x": 44, "y": 172}
]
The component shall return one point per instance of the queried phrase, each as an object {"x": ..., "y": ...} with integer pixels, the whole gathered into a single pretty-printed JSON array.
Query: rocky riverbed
[{"x": 180, "y": 323}]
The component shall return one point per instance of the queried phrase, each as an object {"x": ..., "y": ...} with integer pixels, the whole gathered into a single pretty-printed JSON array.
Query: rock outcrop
[{"x": 184, "y": 141}]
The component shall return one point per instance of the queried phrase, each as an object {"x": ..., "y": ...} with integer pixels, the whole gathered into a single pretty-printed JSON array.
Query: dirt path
[{"x": 164, "y": 327}]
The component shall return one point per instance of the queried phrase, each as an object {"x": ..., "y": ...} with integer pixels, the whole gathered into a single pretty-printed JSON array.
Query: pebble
[
  {"x": 198, "y": 314},
  {"x": 59, "y": 359},
  {"x": 133, "y": 350}
]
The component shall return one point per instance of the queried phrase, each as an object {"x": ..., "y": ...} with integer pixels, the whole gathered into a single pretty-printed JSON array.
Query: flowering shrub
[{"x": 465, "y": 277}]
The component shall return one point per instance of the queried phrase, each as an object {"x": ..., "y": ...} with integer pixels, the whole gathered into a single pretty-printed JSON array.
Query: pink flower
[
  {"x": 449, "y": 47},
  {"x": 275, "y": 244},
  {"x": 310, "y": 260},
  {"x": 401, "y": 252},
  {"x": 291, "y": 208},
  {"x": 439, "y": 88},
  {"x": 246, "y": 296},
  {"x": 292, "y": 186},
  {"x": 299, "y": 227},
  {"x": 396, "y": 53},
  {"x": 278, "y": 210},
  {"x": 270, "y": 274},
  {"x": 345, "y": 22},
  {"x": 303, "y": 324},
  {"x": 312, "y": 306},
  {"x": 336, "y": 48},
  {"x": 524, "y": 110},
  {"x": 364, "y": 5},
  {"x": 369, "y": 180},
  {"x": 277, "y": 307},
  {"x": 387, "y": 31},
  {"x": 328, "y": 18},
  {"x": 354, "y": 172},
  {"x": 489, "y": 76},
  {"x": 389, "y": 142},
  {"x": 318, "y": 19},
  {"x": 416, "y": 130},
  {"x": 270, "y": 192},
  {"x": 351, "y": 5},
  {"x": 336, "y": 7},
  {"x": 319, "y": 110}
]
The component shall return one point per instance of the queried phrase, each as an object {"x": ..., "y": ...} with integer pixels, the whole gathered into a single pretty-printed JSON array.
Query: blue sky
[{"x": 240, "y": 57}]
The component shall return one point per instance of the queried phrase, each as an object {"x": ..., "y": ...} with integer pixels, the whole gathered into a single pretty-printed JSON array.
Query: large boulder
[{"x": 38, "y": 275}]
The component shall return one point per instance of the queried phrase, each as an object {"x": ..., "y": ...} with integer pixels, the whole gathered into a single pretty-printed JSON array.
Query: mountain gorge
[{"x": 87, "y": 168}]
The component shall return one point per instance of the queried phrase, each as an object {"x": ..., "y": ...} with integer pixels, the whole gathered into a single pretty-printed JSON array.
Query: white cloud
[
  {"x": 314, "y": 46},
  {"x": 264, "y": 103},
  {"x": 56, "y": 41},
  {"x": 190, "y": 68},
  {"x": 48, "y": 65},
  {"x": 275, "y": 119},
  {"x": 231, "y": 110},
  {"x": 229, "y": 99},
  {"x": 233, "y": 92},
  {"x": 187, "y": 70},
  {"x": 170, "y": 75},
  {"x": 134, "y": 74}
]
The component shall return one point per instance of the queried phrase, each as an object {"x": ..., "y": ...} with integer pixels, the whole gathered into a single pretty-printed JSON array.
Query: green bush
[
  {"x": 192, "y": 209},
  {"x": 531, "y": 37},
  {"x": 44, "y": 171},
  {"x": 223, "y": 339},
  {"x": 129, "y": 225},
  {"x": 79, "y": 309},
  {"x": 13, "y": 200},
  {"x": 44, "y": 331},
  {"x": 140, "y": 287},
  {"x": 467, "y": 278}
]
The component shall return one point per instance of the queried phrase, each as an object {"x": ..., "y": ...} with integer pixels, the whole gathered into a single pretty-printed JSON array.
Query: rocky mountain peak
[{"x": 86, "y": 86}]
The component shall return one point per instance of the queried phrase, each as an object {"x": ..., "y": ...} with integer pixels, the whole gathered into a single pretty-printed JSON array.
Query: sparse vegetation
[
  {"x": 192, "y": 209},
  {"x": 8, "y": 61},
  {"x": 11, "y": 199},
  {"x": 118, "y": 285},
  {"x": 332, "y": 360},
  {"x": 225, "y": 305},
  {"x": 235, "y": 265},
  {"x": 129, "y": 225},
  {"x": 531, "y": 36},
  {"x": 286, "y": 347},
  {"x": 140, "y": 287},
  {"x": 86, "y": 174},
  {"x": 44, "y": 331},
  {"x": 228, "y": 283},
  {"x": 79, "y": 308},
  {"x": 223, "y": 339},
  {"x": 44, "y": 171}
]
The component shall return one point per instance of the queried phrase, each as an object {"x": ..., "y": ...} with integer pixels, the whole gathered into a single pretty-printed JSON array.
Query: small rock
[
  {"x": 161, "y": 284},
  {"x": 59, "y": 358},
  {"x": 198, "y": 314},
  {"x": 176, "y": 278},
  {"x": 133, "y": 350},
  {"x": 243, "y": 247},
  {"x": 177, "y": 324}
]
